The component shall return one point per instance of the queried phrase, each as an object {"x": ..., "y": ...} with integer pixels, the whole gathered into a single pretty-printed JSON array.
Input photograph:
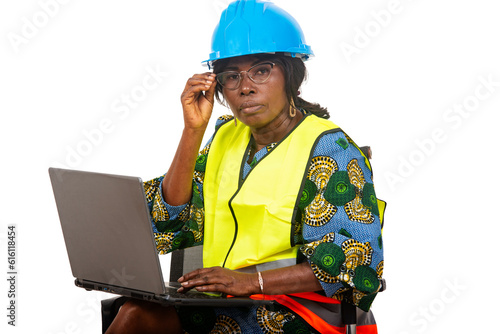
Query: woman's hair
[{"x": 295, "y": 73}]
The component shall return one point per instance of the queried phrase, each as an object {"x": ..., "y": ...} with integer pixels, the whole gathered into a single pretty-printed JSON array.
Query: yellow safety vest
[{"x": 250, "y": 222}]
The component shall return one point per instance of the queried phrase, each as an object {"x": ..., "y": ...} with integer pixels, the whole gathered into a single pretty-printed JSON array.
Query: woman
[{"x": 281, "y": 198}]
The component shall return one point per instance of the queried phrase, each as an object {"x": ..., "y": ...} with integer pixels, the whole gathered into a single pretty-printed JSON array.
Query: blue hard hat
[{"x": 254, "y": 26}]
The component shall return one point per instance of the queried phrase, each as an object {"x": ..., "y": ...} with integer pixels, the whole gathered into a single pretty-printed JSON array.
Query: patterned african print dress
[{"x": 338, "y": 226}]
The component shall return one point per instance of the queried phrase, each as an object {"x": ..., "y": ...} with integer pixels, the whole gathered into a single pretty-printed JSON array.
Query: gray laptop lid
[{"x": 107, "y": 229}]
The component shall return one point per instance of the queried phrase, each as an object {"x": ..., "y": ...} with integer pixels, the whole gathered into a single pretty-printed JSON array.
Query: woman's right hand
[{"x": 198, "y": 100}]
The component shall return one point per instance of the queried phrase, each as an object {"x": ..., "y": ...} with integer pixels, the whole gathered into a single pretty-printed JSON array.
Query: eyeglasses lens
[{"x": 259, "y": 73}]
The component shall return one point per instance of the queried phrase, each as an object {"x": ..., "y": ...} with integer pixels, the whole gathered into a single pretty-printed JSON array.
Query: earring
[
  {"x": 235, "y": 122},
  {"x": 293, "y": 109}
]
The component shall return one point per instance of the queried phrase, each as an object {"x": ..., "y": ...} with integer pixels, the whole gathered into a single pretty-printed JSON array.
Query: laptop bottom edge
[{"x": 199, "y": 299}]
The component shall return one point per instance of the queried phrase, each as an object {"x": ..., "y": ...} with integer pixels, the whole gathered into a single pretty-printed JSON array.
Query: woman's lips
[{"x": 249, "y": 108}]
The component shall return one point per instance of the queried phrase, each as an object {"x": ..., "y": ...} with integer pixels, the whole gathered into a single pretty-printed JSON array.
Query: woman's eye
[
  {"x": 261, "y": 71},
  {"x": 232, "y": 77}
]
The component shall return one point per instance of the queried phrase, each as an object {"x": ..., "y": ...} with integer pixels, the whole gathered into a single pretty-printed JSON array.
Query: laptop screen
[{"x": 107, "y": 230}]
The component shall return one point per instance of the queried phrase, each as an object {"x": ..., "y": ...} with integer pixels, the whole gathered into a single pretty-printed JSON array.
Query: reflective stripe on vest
[{"x": 250, "y": 222}]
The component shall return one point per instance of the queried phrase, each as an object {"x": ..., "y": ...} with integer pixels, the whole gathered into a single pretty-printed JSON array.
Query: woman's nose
[{"x": 247, "y": 85}]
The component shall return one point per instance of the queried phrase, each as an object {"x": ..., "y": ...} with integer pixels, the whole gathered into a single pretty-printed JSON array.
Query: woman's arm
[
  {"x": 177, "y": 183},
  {"x": 293, "y": 279},
  {"x": 197, "y": 104}
]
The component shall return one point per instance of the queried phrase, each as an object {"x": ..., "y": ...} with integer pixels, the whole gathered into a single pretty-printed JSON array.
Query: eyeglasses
[{"x": 259, "y": 74}]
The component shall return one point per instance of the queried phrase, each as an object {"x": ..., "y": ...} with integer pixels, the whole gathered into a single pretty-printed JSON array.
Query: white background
[{"x": 66, "y": 66}]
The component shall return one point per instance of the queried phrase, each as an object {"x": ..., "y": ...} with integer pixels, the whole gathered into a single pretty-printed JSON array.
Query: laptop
[{"x": 110, "y": 243}]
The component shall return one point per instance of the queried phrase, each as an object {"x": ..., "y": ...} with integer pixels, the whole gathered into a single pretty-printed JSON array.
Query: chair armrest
[{"x": 367, "y": 151}]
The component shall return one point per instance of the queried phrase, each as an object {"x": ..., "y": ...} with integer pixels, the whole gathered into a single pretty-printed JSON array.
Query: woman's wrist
[
  {"x": 197, "y": 132},
  {"x": 293, "y": 279}
]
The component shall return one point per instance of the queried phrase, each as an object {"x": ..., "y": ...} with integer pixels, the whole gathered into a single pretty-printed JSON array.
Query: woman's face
[{"x": 256, "y": 105}]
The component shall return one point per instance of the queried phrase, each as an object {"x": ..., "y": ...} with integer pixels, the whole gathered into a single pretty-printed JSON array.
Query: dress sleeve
[
  {"x": 340, "y": 220},
  {"x": 177, "y": 227},
  {"x": 167, "y": 220}
]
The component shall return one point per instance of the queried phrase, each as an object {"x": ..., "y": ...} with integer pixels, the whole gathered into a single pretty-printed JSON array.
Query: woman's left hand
[{"x": 218, "y": 279}]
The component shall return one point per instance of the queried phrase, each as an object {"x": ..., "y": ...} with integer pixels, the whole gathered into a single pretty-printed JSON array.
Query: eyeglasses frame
[{"x": 240, "y": 75}]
